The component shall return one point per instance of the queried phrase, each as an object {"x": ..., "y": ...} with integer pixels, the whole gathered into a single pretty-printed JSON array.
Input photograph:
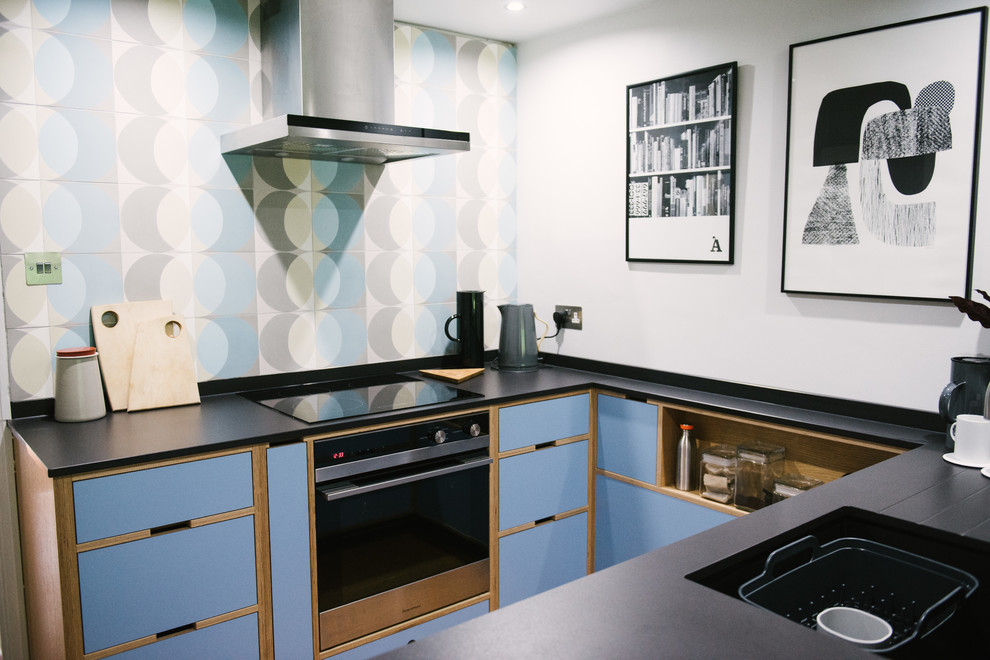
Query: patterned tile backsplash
[{"x": 110, "y": 117}]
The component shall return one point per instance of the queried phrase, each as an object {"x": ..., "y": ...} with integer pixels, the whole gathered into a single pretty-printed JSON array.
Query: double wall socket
[{"x": 573, "y": 316}]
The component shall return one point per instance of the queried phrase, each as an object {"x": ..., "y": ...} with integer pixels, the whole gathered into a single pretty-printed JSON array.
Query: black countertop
[
  {"x": 644, "y": 607},
  {"x": 225, "y": 421}
]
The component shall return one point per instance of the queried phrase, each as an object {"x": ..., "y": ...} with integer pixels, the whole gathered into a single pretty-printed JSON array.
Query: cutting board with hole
[
  {"x": 163, "y": 373},
  {"x": 114, "y": 327}
]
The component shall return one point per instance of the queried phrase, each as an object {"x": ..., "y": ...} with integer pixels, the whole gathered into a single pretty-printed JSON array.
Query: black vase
[
  {"x": 966, "y": 391},
  {"x": 470, "y": 328}
]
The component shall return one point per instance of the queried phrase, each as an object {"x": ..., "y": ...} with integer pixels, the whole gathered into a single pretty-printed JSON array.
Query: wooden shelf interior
[{"x": 818, "y": 455}]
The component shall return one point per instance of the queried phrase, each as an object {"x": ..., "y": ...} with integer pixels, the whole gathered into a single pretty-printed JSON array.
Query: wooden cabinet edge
[
  {"x": 509, "y": 453},
  {"x": 688, "y": 496},
  {"x": 536, "y": 523},
  {"x": 545, "y": 397},
  {"x": 40, "y": 550},
  {"x": 262, "y": 557}
]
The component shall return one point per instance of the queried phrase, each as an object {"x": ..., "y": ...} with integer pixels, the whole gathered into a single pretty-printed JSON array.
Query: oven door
[{"x": 400, "y": 543}]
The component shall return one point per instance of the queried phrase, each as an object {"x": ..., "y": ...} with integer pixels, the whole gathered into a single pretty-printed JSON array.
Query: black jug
[
  {"x": 470, "y": 328},
  {"x": 966, "y": 391}
]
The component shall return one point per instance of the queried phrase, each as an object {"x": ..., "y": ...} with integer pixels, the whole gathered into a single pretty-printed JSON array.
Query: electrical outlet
[
  {"x": 573, "y": 316},
  {"x": 42, "y": 268}
]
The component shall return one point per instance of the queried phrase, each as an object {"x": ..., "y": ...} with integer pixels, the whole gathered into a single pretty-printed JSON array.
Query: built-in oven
[{"x": 402, "y": 523}]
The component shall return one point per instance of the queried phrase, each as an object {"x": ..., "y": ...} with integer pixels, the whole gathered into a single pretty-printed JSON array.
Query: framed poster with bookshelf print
[
  {"x": 883, "y": 133},
  {"x": 680, "y": 162}
]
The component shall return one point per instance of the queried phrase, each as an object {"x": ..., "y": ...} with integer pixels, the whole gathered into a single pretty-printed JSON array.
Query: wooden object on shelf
[{"x": 454, "y": 375}]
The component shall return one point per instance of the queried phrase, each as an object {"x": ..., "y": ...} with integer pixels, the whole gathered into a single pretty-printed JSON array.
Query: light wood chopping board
[
  {"x": 453, "y": 375},
  {"x": 162, "y": 370},
  {"x": 114, "y": 327}
]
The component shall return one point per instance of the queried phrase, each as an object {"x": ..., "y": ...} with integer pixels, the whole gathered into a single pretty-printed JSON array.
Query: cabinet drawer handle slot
[
  {"x": 176, "y": 631},
  {"x": 543, "y": 521},
  {"x": 545, "y": 445},
  {"x": 165, "y": 529}
]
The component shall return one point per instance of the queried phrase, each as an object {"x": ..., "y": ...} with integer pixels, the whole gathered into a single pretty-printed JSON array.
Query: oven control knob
[
  {"x": 474, "y": 429},
  {"x": 438, "y": 435}
]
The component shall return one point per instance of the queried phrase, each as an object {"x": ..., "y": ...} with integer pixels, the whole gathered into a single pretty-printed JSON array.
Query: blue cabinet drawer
[
  {"x": 236, "y": 639},
  {"x": 542, "y": 483},
  {"x": 627, "y": 438},
  {"x": 543, "y": 421},
  {"x": 542, "y": 558},
  {"x": 400, "y": 639},
  {"x": 145, "y": 499},
  {"x": 156, "y": 584}
]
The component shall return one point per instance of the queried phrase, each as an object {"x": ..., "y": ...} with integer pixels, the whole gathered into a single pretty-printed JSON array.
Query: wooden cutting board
[
  {"x": 453, "y": 375},
  {"x": 114, "y": 327},
  {"x": 162, "y": 370}
]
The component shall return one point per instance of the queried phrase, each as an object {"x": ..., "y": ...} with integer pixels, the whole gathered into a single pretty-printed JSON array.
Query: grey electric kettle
[{"x": 517, "y": 339}]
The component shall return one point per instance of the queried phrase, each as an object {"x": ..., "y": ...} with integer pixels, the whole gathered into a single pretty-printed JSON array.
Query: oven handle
[{"x": 341, "y": 489}]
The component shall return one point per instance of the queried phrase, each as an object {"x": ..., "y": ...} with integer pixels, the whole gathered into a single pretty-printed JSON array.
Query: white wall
[{"x": 725, "y": 322}]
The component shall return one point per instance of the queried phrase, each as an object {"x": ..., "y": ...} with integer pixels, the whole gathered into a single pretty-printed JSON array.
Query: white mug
[{"x": 971, "y": 434}]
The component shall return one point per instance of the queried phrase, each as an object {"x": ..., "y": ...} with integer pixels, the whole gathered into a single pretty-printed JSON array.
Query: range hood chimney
[{"x": 329, "y": 88}]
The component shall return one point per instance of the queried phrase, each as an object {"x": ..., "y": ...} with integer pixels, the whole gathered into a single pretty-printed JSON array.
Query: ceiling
[{"x": 490, "y": 19}]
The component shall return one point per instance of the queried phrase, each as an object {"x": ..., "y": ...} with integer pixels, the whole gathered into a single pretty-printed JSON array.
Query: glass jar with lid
[
  {"x": 789, "y": 485},
  {"x": 718, "y": 473},
  {"x": 758, "y": 465}
]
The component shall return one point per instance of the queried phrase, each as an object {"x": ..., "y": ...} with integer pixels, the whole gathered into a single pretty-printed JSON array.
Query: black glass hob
[{"x": 327, "y": 401}]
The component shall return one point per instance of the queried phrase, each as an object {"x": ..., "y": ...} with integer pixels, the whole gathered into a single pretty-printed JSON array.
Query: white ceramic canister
[{"x": 78, "y": 386}]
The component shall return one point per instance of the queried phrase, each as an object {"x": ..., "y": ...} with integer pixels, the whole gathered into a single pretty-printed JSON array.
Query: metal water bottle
[{"x": 686, "y": 450}]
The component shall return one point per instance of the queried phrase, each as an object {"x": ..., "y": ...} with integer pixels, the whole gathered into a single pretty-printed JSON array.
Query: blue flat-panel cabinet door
[
  {"x": 542, "y": 483},
  {"x": 627, "y": 438},
  {"x": 155, "y": 584},
  {"x": 154, "y": 497},
  {"x": 543, "y": 421},
  {"x": 288, "y": 522},
  {"x": 236, "y": 639},
  {"x": 542, "y": 558},
  {"x": 630, "y": 521}
]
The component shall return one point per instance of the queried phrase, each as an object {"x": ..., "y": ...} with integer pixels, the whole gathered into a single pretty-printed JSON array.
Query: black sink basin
[{"x": 960, "y": 636}]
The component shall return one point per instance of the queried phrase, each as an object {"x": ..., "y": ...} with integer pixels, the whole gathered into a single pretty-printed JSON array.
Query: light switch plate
[{"x": 42, "y": 268}]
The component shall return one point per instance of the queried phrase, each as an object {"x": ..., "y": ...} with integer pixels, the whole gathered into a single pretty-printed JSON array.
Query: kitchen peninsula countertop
[{"x": 644, "y": 607}]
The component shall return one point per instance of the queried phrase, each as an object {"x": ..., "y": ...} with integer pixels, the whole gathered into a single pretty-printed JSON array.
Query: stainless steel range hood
[{"x": 329, "y": 91}]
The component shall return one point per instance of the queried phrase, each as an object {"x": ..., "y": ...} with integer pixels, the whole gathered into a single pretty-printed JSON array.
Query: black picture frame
[
  {"x": 680, "y": 167},
  {"x": 883, "y": 137}
]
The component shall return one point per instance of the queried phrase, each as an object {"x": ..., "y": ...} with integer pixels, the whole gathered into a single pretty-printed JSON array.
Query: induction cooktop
[{"x": 331, "y": 400}]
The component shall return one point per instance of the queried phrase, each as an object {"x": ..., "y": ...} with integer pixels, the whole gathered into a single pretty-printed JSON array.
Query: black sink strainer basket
[{"x": 915, "y": 595}]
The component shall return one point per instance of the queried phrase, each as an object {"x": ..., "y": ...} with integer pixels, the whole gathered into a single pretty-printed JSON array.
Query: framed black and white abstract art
[
  {"x": 680, "y": 157},
  {"x": 882, "y": 152}
]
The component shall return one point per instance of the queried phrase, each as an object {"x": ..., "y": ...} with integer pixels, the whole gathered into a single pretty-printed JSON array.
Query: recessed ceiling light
[{"x": 515, "y": 5}]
